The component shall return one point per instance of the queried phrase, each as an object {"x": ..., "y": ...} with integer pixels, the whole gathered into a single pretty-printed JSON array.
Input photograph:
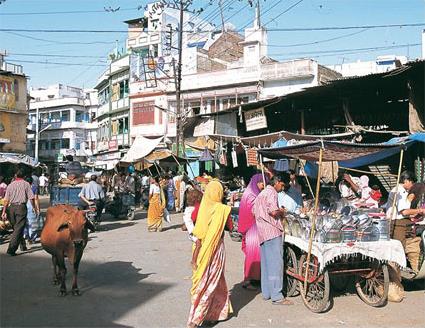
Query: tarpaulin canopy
[
  {"x": 270, "y": 138},
  {"x": 140, "y": 148},
  {"x": 14, "y": 158},
  {"x": 332, "y": 151}
]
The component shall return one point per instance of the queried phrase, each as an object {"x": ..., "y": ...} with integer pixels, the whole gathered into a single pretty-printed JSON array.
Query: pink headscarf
[{"x": 246, "y": 218}]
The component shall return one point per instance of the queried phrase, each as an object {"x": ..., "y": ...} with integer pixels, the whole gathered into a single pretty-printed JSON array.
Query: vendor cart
[
  {"x": 366, "y": 261},
  {"x": 309, "y": 262}
]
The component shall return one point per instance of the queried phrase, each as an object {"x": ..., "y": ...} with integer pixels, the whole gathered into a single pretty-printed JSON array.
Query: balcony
[
  {"x": 64, "y": 125},
  {"x": 56, "y": 103},
  {"x": 12, "y": 68},
  {"x": 289, "y": 70},
  {"x": 120, "y": 103}
]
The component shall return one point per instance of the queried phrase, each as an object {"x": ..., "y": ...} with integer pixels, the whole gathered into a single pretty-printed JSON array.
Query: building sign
[
  {"x": 204, "y": 128},
  {"x": 144, "y": 112},
  {"x": 113, "y": 145},
  {"x": 7, "y": 93},
  {"x": 255, "y": 119},
  {"x": 5, "y": 127}
]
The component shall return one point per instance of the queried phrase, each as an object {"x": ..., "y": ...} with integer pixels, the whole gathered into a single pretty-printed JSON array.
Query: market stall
[{"x": 339, "y": 239}]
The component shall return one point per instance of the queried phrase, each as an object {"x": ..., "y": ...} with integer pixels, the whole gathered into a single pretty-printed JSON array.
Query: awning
[
  {"x": 140, "y": 148},
  {"x": 270, "y": 138},
  {"x": 201, "y": 143},
  {"x": 14, "y": 158},
  {"x": 332, "y": 151}
]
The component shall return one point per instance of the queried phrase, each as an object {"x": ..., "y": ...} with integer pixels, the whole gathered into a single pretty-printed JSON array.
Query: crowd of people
[{"x": 265, "y": 202}]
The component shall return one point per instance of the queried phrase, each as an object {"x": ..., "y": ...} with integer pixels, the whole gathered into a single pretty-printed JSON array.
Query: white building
[
  {"x": 113, "y": 139},
  {"x": 220, "y": 70},
  {"x": 382, "y": 64},
  {"x": 64, "y": 122}
]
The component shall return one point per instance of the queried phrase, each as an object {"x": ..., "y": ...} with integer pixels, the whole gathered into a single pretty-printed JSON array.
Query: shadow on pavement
[
  {"x": 172, "y": 227},
  {"x": 109, "y": 290},
  {"x": 112, "y": 226},
  {"x": 413, "y": 285},
  {"x": 240, "y": 297}
]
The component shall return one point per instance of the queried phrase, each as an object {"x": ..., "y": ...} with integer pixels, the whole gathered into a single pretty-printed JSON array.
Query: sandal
[{"x": 283, "y": 301}]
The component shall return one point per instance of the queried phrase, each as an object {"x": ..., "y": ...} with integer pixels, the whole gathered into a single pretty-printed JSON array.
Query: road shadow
[
  {"x": 240, "y": 297},
  {"x": 115, "y": 225},
  {"x": 109, "y": 290},
  {"x": 172, "y": 227},
  {"x": 413, "y": 285}
]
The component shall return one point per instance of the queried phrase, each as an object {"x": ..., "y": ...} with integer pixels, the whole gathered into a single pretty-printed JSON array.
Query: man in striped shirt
[
  {"x": 268, "y": 217},
  {"x": 17, "y": 195}
]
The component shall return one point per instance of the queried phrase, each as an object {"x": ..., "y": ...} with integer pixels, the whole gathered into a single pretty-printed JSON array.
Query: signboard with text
[
  {"x": 255, "y": 119},
  {"x": 7, "y": 93},
  {"x": 143, "y": 112}
]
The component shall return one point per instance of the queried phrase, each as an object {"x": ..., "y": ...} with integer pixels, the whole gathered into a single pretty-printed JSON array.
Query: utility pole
[
  {"x": 179, "y": 134},
  {"x": 37, "y": 134}
]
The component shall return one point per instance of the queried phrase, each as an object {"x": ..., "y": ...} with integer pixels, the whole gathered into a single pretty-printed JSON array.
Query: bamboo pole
[
  {"x": 313, "y": 222},
  {"x": 307, "y": 179},
  {"x": 393, "y": 212},
  {"x": 262, "y": 170}
]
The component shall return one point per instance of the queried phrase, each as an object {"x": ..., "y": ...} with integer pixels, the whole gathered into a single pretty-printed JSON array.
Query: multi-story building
[
  {"x": 13, "y": 107},
  {"x": 113, "y": 133},
  {"x": 61, "y": 117},
  {"x": 220, "y": 70}
]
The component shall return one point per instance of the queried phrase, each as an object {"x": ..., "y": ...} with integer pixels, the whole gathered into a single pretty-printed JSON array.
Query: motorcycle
[{"x": 122, "y": 204}]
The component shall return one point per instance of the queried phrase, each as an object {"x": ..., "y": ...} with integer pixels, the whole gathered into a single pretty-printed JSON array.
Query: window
[
  {"x": 123, "y": 89},
  {"x": 196, "y": 107},
  {"x": 50, "y": 96},
  {"x": 81, "y": 116},
  {"x": 104, "y": 96},
  {"x": 55, "y": 144},
  {"x": 33, "y": 119},
  {"x": 44, "y": 145},
  {"x": 16, "y": 89},
  {"x": 55, "y": 117},
  {"x": 154, "y": 51},
  {"x": 44, "y": 117},
  {"x": 65, "y": 143},
  {"x": 125, "y": 127},
  {"x": 65, "y": 116}
]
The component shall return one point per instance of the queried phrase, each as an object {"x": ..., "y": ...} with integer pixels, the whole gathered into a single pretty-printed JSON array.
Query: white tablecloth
[{"x": 383, "y": 250}]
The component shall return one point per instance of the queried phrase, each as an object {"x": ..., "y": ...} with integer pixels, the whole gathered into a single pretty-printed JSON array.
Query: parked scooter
[{"x": 122, "y": 204}]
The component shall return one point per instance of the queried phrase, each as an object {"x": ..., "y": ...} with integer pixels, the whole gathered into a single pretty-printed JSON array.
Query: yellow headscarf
[{"x": 212, "y": 217}]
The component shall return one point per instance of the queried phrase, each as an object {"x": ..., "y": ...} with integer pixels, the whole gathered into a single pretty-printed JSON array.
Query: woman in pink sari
[{"x": 248, "y": 229}]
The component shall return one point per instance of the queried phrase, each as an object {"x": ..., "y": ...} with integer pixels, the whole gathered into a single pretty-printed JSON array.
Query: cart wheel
[
  {"x": 373, "y": 290},
  {"x": 290, "y": 284},
  {"x": 317, "y": 296}
]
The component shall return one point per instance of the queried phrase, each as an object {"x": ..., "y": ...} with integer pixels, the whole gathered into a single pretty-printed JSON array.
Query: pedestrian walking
[
  {"x": 32, "y": 224},
  {"x": 210, "y": 296},
  {"x": 156, "y": 206},
  {"x": 15, "y": 200},
  {"x": 248, "y": 228},
  {"x": 44, "y": 181},
  {"x": 268, "y": 217}
]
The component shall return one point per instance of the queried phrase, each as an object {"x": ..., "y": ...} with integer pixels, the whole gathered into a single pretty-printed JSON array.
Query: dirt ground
[{"x": 132, "y": 278}]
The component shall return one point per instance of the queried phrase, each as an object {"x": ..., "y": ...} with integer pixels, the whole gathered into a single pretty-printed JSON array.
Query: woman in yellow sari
[
  {"x": 209, "y": 293},
  {"x": 156, "y": 206}
]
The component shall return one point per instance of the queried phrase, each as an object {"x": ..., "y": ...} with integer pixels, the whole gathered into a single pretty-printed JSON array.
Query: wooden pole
[
  {"x": 393, "y": 212},
  {"x": 262, "y": 170},
  {"x": 313, "y": 222},
  {"x": 307, "y": 179}
]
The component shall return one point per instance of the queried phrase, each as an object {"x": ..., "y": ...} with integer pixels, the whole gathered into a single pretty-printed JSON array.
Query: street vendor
[
  {"x": 290, "y": 198},
  {"x": 402, "y": 206},
  {"x": 349, "y": 187}
]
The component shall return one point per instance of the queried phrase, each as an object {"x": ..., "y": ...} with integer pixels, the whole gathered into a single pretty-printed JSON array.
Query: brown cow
[{"x": 65, "y": 235}]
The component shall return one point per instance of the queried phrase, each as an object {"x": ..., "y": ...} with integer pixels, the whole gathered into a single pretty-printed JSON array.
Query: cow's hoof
[
  {"x": 76, "y": 292},
  {"x": 62, "y": 293},
  {"x": 55, "y": 282}
]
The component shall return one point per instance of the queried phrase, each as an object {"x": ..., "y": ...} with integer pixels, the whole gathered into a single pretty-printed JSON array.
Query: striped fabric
[
  {"x": 265, "y": 203},
  {"x": 19, "y": 192}
]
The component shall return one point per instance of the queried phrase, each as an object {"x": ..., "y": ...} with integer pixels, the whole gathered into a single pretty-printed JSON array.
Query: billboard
[{"x": 7, "y": 93}]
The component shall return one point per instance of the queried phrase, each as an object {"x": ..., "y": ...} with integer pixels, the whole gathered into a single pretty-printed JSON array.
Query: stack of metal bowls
[{"x": 383, "y": 226}]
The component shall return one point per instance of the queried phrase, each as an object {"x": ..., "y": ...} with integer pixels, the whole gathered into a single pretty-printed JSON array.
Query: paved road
[{"x": 132, "y": 278}]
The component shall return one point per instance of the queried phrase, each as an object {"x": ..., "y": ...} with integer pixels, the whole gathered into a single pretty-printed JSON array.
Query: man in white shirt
[
  {"x": 400, "y": 215},
  {"x": 43, "y": 180}
]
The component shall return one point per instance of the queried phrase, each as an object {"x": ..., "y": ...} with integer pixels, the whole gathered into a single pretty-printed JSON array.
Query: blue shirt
[
  {"x": 291, "y": 200},
  {"x": 92, "y": 191}
]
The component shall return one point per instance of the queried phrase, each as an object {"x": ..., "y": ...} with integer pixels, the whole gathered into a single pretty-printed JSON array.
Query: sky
[{"x": 78, "y": 59}]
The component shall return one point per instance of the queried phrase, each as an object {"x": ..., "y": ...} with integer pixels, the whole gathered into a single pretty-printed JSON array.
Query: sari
[
  {"x": 156, "y": 208},
  {"x": 209, "y": 293},
  {"x": 248, "y": 228}
]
